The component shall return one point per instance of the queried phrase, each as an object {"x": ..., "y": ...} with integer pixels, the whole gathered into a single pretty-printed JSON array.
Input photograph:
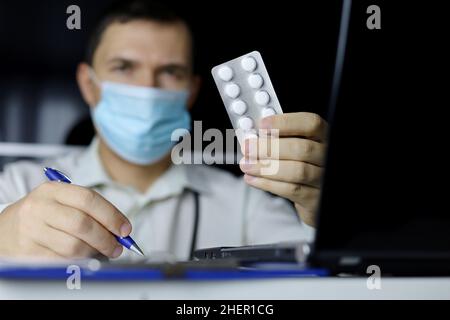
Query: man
[{"x": 138, "y": 81}]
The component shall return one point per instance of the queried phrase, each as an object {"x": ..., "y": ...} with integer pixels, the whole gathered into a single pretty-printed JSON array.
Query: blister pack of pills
[{"x": 247, "y": 92}]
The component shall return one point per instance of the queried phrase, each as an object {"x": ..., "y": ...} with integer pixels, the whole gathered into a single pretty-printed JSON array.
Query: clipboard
[{"x": 190, "y": 271}]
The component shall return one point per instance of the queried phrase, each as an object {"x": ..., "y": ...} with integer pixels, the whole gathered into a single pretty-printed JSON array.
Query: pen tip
[{"x": 137, "y": 250}]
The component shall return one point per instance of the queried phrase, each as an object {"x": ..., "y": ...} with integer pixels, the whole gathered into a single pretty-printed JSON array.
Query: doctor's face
[{"x": 141, "y": 53}]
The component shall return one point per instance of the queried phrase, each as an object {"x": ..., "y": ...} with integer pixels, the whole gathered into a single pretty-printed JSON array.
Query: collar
[{"x": 90, "y": 173}]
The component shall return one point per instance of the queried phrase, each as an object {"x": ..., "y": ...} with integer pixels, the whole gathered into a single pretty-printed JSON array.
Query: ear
[
  {"x": 89, "y": 90},
  {"x": 194, "y": 89}
]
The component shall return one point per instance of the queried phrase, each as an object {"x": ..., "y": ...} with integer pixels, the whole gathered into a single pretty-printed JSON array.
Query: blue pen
[{"x": 127, "y": 242}]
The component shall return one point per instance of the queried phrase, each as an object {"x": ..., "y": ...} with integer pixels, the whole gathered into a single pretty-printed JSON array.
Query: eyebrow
[
  {"x": 122, "y": 60},
  {"x": 173, "y": 65},
  {"x": 176, "y": 66}
]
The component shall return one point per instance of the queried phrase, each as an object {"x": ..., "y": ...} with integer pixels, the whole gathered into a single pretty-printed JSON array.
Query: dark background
[
  {"x": 39, "y": 99},
  {"x": 386, "y": 187},
  {"x": 297, "y": 42}
]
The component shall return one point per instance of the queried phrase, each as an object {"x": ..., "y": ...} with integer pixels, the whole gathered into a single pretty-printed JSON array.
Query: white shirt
[{"x": 231, "y": 213}]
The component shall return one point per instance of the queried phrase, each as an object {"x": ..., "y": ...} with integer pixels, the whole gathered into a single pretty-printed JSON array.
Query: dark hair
[{"x": 125, "y": 11}]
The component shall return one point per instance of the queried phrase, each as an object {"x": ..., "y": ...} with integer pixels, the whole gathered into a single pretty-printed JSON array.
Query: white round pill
[
  {"x": 267, "y": 112},
  {"x": 248, "y": 64},
  {"x": 225, "y": 73},
  {"x": 255, "y": 81},
  {"x": 239, "y": 107},
  {"x": 262, "y": 98},
  {"x": 245, "y": 123},
  {"x": 232, "y": 90}
]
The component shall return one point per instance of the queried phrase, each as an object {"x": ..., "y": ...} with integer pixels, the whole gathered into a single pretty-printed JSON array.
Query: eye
[
  {"x": 171, "y": 71},
  {"x": 175, "y": 72},
  {"x": 122, "y": 67}
]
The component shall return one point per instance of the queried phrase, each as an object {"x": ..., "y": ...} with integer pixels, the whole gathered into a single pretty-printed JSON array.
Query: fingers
[
  {"x": 301, "y": 124},
  {"x": 306, "y": 215},
  {"x": 306, "y": 195},
  {"x": 288, "y": 162},
  {"x": 284, "y": 171},
  {"x": 93, "y": 204},
  {"x": 35, "y": 250},
  {"x": 285, "y": 149},
  {"x": 84, "y": 228},
  {"x": 63, "y": 244}
]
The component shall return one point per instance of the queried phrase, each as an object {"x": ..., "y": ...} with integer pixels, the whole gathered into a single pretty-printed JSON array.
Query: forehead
[{"x": 144, "y": 40}]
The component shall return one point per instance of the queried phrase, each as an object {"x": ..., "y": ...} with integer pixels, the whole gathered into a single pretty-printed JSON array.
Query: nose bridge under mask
[
  {"x": 143, "y": 103},
  {"x": 142, "y": 92},
  {"x": 137, "y": 122}
]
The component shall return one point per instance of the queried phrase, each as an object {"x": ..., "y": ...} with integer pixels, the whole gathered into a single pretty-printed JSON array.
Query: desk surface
[{"x": 271, "y": 289}]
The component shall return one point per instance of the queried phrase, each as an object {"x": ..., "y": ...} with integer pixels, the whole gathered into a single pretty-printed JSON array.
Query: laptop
[{"x": 384, "y": 199}]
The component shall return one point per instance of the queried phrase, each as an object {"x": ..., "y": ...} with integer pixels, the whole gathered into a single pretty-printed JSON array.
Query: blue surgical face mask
[{"x": 137, "y": 122}]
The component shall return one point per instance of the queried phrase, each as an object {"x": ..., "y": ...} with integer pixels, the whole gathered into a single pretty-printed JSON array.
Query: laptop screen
[{"x": 385, "y": 188}]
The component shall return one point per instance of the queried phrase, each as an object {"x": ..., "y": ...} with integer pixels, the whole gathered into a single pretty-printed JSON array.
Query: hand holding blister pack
[{"x": 247, "y": 93}]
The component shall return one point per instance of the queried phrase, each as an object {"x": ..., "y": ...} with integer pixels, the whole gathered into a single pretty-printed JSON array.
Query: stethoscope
[{"x": 195, "y": 225}]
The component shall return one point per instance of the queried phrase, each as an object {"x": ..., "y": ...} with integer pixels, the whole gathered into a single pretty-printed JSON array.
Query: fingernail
[
  {"x": 249, "y": 178},
  {"x": 117, "y": 252},
  {"x": 245, "y": 166},
  {"x": 250, "y": 147},
  {"x": 265, "y": 123},
  {"x": 125, "y": 229},
  {"x": 245, "y": 147}
]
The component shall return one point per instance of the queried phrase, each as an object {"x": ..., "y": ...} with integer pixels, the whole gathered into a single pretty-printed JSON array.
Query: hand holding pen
[
  {"x": 63, "y": 220},
  {"x": 126, "y": 241}
]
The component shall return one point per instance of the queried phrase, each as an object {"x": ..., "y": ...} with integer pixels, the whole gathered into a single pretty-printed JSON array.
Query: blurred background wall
[{"x": 39, "y": 98}]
